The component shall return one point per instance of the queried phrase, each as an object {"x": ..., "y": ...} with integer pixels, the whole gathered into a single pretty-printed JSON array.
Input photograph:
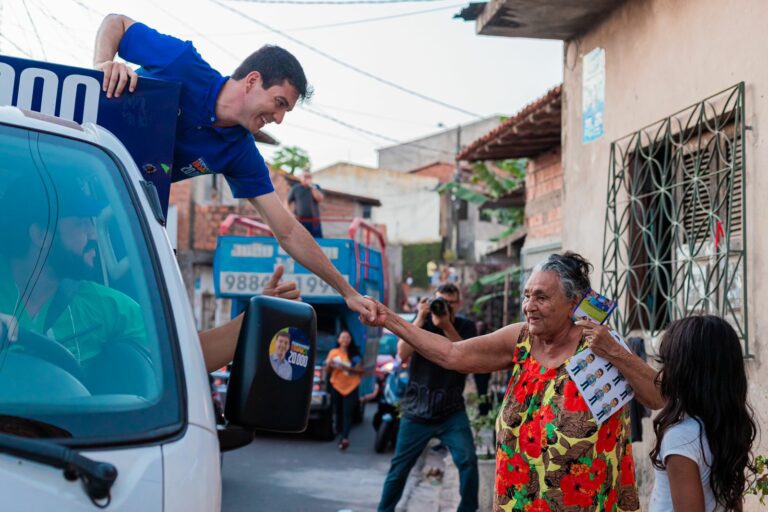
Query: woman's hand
[{"x": 601, "y": 341}]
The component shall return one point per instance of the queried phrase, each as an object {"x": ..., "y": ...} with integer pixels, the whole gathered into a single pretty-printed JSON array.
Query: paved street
[{"x": 297, "y": 473}]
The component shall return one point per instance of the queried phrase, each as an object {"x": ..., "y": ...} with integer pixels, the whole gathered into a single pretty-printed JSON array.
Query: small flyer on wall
[{"x": 604, "y": 388}]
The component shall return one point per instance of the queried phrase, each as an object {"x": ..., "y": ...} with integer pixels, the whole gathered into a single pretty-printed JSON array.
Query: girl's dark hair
[
  {"x": 573, "y": 270},
  {"x": 352, "y": 350},
  {"x": 703, "y": 377}
]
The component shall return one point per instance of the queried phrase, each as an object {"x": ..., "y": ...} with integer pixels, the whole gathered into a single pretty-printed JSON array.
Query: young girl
[
  {"x": 704, "y": 433},
  {"x": 346, "y": 367}
]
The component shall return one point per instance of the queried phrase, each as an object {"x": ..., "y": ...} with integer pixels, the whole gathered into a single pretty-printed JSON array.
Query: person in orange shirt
[{"x": 346, "y": 367}]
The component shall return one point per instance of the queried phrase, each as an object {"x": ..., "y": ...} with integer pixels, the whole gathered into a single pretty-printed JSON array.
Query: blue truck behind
[{"x": 243, "y": 265}]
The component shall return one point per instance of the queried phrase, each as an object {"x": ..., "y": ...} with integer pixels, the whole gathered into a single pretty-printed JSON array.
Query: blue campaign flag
[{"x": 144, "y": 121}]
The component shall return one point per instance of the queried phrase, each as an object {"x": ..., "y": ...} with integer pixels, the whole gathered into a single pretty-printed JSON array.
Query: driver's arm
[{"x": 219, "y": 343}]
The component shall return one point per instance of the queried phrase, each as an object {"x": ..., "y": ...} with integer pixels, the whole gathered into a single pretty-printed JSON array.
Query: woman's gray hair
[{"x": 573, "y": 271}]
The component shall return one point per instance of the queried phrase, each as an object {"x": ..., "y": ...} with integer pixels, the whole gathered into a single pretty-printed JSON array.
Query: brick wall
[
  {"x": 208, "y": 217},
  {"x": 181, "y": 196},
  {"x": 440, "y": 170},
  {"x": 544, "y": 196}
]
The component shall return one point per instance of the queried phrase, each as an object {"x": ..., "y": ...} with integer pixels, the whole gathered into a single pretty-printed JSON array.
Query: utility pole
[{"x": 456, "y": 201}]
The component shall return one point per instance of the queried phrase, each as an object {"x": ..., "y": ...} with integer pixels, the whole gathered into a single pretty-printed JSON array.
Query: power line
[
  {"x": 34, "y": 28},
  {"x": 342, "y": 23},
  {"x": 337, "y": 2},
  {"x": 375, "y": 116},
  {"x": 19, "y": 48},
  {"x": 346, "y": 65},
  {"x": 375, "y": 134}
]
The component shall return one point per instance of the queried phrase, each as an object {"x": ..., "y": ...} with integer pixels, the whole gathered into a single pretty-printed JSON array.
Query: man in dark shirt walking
[
  {"x": 306, "y": 198},
  {"x": 433, "y": 406}
]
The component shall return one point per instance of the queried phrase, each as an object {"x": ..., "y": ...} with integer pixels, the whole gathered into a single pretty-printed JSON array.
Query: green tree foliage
[
  {"x": 491, "y": 185},
  {"x": 291, "y": 159}
]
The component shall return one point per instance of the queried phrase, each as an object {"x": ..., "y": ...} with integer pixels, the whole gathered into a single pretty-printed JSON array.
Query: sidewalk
[{"x": 433, "y": 485}]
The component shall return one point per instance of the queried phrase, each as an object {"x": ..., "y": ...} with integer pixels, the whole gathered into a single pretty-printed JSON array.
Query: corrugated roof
[{"x": 530, "y": 132}]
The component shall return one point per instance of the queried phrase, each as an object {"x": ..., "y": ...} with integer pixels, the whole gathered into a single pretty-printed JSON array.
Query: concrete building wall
[
  {"x": 410, "y": 207},
  {"x": 660, "y": 57},
  {"x": 441, "y": 146}
]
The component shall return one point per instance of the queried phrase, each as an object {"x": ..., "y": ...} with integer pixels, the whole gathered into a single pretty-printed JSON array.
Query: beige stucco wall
[
  {"x": 660, "y": 57},
  {"x": 410, "y": 205}
]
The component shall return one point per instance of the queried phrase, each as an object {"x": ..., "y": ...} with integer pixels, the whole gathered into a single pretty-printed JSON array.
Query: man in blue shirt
[{"x": 217, "y": 118}]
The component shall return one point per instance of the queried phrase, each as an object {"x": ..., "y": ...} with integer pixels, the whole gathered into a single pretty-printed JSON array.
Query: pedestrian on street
[
  {"x": 214, "y": 134},
  {"x": 304, "y": 199},
  {"x": 551, "y": 453},
  {"x": 706, "y": 431},
  {"x": 433, "y": 404},
  {"x": 346, "y": 367}
]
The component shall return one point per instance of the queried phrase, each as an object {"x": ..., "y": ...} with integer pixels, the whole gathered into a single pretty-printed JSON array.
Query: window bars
[{"x": 674, "y": 241}]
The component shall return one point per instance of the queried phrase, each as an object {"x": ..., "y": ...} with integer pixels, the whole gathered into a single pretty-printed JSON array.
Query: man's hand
[
  {"x": 274, "y": 288},
  {"x": 442, "y": 321},
  {"x": 116, "y": 75},
  {"x": 365, "y": 306},
  {"x": 380, "y": 315}
]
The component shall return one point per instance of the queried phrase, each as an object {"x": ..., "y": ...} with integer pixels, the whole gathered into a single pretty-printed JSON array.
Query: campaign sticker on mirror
[{"x": 289, "y": 353}]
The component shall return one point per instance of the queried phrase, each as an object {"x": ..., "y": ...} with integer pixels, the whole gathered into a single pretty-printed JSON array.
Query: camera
[{"x": 439, "y": 306}]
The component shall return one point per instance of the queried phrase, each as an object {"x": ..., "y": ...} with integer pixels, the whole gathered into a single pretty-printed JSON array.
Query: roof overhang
[
  {"x": 539, "y": 19},
  {"x": 529, "y": 133}
]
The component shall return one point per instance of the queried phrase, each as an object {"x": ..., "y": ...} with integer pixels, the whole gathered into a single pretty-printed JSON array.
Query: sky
[{"x": 415, "y": 45}]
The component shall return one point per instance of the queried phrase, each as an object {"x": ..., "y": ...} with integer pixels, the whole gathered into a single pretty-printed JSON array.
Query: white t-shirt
[{"x": 685, "y": 439}]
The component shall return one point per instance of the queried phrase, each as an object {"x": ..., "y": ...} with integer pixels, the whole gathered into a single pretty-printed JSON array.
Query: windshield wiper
[
  {"x": 97, "y": 477},
  {"x": 30, "y": 428}
]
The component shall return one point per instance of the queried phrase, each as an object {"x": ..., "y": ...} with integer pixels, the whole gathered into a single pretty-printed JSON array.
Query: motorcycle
[{"x": 392, "y": 379}]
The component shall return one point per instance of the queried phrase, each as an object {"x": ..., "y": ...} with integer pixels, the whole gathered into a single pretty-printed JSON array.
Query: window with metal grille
[{"x": 674, "y": 240}]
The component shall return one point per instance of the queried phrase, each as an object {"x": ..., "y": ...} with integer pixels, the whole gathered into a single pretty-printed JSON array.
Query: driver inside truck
[
  {"x": 51, "y": 283},
  {"x": 48, "y": 274}
]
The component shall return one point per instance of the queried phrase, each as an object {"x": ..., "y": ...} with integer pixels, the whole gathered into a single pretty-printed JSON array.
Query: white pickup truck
[{"x": 104, "y": 398}]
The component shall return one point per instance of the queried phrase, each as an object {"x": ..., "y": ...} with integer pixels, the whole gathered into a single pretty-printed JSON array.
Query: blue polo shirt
[{"x": 200, "y": 147}]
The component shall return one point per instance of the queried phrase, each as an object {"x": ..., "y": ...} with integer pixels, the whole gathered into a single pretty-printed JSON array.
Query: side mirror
[{"x": 270, "y": 386}]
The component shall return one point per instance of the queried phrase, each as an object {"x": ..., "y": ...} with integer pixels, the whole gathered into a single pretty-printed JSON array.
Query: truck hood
[{"x": 27, "y": 485}]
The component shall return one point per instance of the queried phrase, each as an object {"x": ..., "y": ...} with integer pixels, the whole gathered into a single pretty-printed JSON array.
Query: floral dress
[{"x": 551, "y": 455}]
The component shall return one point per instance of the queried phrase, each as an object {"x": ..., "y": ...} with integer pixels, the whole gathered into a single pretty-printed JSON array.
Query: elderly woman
[{"x": 551, "y": 454}]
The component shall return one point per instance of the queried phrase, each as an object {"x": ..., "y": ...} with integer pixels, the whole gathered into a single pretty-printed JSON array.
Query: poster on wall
[{"x": 593, "y": 95}]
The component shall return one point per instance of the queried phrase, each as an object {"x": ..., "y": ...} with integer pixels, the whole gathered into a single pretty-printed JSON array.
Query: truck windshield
[{"x": 85, "y": 348}]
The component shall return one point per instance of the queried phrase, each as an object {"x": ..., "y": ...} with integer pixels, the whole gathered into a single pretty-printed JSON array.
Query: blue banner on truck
[
  {"x": 243, "y": 265},
  {"x": 144, "y": 121}
]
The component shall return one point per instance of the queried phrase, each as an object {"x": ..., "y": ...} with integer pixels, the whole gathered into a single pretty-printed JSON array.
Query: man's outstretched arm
[
  {"x": 116, "y": 74},
  {"x": 303, "y": 248}
]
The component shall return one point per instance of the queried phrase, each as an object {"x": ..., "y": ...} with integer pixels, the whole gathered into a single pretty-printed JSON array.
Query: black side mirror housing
[{"x": 270, "y": 384}]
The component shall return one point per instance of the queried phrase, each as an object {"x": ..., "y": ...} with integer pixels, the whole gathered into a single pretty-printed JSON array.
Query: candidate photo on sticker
[{"x": 278, "y": 355}]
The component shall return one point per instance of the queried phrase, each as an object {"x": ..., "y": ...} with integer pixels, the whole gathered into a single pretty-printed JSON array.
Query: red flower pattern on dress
[
  {"x": 538, "y": 505},
  {"x": 628, "y": 467},
  {"x": 577, "y": 490},
  {"x": 503, "y": 472},
  {"x": 598, "y": 471},
  {"x": 524, "y": 388},
  {"x": 532, "y": 438},
  {"x": 573, "y": 401},
  {"x": 607, "y": 435},
  {"x": 544, "y": 416},
  {"x": 520, "y": 471},
  {"x": 610, "y": 500}
]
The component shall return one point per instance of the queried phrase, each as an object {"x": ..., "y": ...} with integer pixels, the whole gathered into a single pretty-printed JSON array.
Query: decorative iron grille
[{"x": 674, "y": 241}]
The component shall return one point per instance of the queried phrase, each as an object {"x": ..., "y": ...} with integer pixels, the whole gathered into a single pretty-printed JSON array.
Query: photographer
[{"x": 433, "y": 405}]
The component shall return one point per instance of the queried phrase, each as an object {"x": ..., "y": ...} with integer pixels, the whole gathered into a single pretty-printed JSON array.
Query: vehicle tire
[
  {"x": 322, "y": 428},
  {"x": 383, "y": 437}
]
